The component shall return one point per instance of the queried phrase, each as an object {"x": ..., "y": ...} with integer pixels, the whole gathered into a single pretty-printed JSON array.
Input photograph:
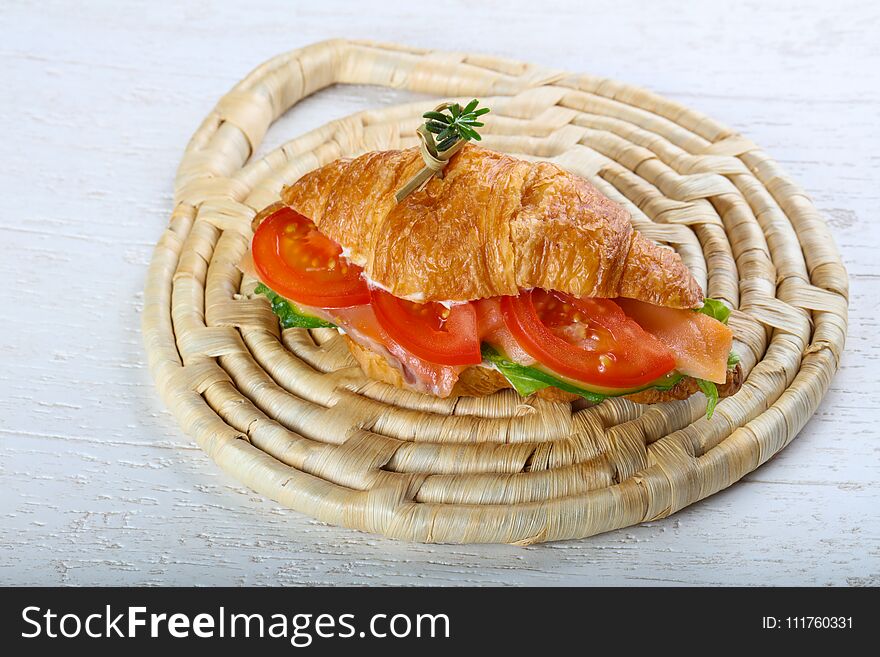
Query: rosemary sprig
[
  {"x": 460, "y": 123},
  {"x": 442, "y": 135}
]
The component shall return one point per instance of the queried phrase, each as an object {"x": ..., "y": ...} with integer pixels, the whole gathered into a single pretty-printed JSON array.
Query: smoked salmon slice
[{"x": 699, "y": 343}]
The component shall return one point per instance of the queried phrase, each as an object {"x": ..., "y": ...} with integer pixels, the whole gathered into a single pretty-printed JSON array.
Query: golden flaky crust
[
  {"x": 480, "y": 381},
  {"x": 491, "y": 226}
]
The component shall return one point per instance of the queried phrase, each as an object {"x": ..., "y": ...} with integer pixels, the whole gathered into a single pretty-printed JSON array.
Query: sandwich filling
[{"x": 539, "y": 338}]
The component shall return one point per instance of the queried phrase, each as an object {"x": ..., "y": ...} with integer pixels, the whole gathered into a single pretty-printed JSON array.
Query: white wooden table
[{"x": 99, "y": 486}]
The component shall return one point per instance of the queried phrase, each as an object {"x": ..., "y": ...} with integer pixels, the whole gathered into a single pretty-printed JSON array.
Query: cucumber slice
[
  {"x": 527, "y": 380},
  {"x": 289, "y": 315}
]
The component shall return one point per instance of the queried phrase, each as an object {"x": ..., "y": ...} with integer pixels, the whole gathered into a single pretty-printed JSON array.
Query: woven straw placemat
[{"x": 289, "y": 413}]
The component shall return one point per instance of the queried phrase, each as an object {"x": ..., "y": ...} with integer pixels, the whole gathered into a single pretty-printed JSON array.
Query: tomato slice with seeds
[
  {"x": 588, "y": 340},
  {"x": 431, "y": 331},
  {"x": 298, "y": 262}
]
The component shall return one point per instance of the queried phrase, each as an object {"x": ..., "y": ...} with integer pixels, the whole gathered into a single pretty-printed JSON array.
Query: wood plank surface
[{"x": 99, "y": 486}]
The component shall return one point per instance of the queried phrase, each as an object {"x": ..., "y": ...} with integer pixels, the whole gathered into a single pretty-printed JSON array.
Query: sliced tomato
[
  {"x": 362, "y": 326},
  {"x": 700, "y": 344},
  {"x": 430, "y": 330},
  {"x": 298, "y": 262},
  {"x": 587, "y": 340}
]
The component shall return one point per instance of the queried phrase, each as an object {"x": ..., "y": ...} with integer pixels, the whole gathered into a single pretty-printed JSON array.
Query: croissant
[{"x": 491, "y": 227}]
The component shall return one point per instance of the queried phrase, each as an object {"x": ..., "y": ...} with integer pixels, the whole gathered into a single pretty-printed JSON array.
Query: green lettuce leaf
[
  {"x": 732, "y": 360},
  {"x": 711, "y": 391},
  {"x": 289, "y": 315},
  {"x": 527, "y": 380},
  {"x": 715, "y": 309}
]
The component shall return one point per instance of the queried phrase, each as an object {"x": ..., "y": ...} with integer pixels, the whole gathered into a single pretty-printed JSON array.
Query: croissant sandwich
[{"x": 502, "y": 273}]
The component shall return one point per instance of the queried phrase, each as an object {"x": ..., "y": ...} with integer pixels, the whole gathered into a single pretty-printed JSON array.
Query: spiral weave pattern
[{"x": 291, "y": 415}]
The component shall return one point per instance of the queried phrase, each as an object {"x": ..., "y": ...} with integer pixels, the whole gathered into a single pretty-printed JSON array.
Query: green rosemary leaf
[
  {"x": 480, "y": 112},
  {"x": 437, "y": 116},
  {"x": 471, "y": 106},
  {"x": 470, "y": 133},
  {"x": 447, "y": 143},
  {"x": 435, "y": 128},
  {"x": 445, "y": 134}
]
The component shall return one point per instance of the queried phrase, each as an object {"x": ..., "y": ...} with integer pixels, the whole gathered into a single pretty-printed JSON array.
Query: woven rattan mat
[{"x": 290, "y": 415}]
